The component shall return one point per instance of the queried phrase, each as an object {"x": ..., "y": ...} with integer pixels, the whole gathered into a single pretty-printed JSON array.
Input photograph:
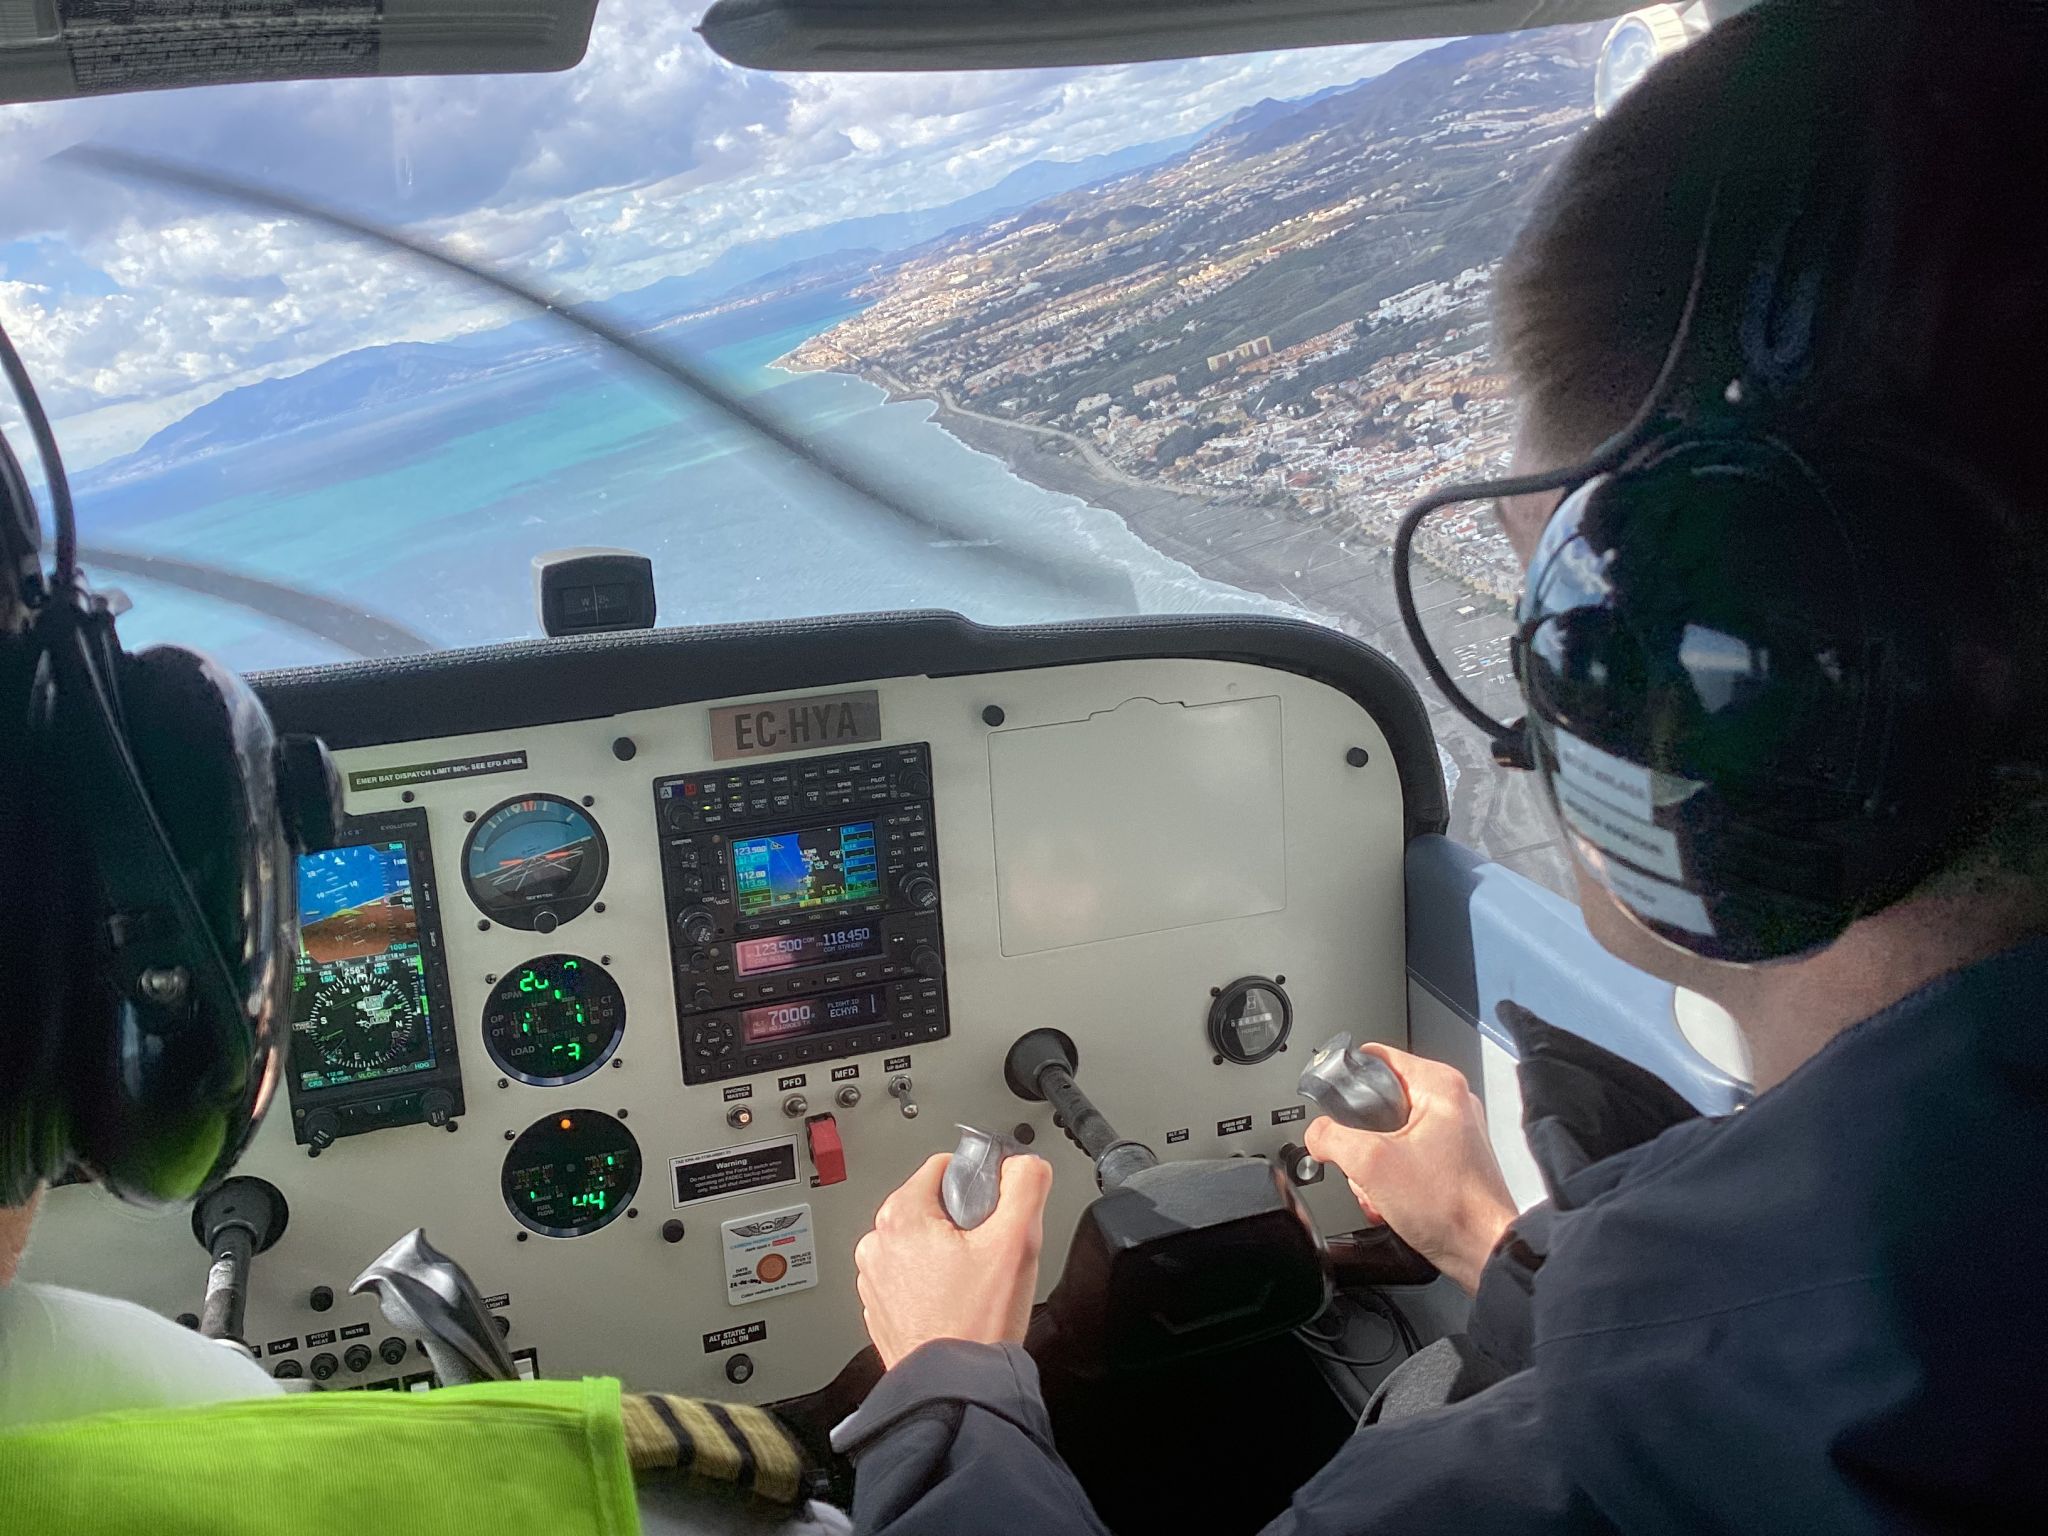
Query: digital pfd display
[{"x": 360, "y": 1008}]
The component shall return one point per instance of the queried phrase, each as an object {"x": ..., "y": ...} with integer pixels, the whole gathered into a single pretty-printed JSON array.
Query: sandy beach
[{"x": 1299, "y": 560}]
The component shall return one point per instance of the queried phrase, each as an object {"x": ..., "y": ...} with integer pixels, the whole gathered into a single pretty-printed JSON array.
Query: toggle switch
[{"x": 828, "y": 1153}]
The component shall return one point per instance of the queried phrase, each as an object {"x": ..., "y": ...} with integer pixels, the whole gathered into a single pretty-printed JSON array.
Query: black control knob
[
  {"x": 913, "y": 781},
  {"x": 702, "y": 999},
  {"x": 357, "y": 1357},
  {"x": 324, "y": 1366},
  {"x": 437, "y": 1104},
  {"x": 287, "y": 1370},
  {"x": 918, "y": 891},
  {"x": 545, "y": 922},
  {"x": 696, "y": 925},
  {"x": 392, "y": 1351},
  {"x": 926, "y": 962},
  {"x": 322, "y": 1298},
  {"x": 700, "y": 959},
  {"x": 739, "y": 1369},
  {"x": 677, "y": 815},
  {"x": 322, "y": 1127},
  {"x": 502, "y": 1323}
]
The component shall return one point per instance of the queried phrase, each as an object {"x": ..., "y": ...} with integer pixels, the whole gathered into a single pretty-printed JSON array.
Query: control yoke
[
  {"x": 423, "y": 1291},
  {"x": 1175, "y": 1259}
]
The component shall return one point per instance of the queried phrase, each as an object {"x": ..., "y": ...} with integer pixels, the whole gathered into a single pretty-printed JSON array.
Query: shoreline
[{"x": 1284, "y": 556}]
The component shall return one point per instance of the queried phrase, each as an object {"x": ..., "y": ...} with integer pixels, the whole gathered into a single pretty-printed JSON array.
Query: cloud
[{"x": 651, "y": 158}]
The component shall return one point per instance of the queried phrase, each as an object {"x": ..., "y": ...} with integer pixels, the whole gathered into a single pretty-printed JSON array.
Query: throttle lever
[{"x": 974, "y": 1178}]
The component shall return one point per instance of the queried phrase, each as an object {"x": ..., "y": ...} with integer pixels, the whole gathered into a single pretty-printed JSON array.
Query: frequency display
[
  {"x": 821, "y": 946},
  {"x": 797, "y": 871},
  {"x": 359, "y": 998}
]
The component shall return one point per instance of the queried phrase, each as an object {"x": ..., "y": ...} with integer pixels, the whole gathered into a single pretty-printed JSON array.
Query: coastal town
[
  {"x": 1294, "y": 315},
  {"x": 1261, "y": 351}
]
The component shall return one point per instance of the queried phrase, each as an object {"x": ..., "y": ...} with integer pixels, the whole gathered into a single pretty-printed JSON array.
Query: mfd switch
[{"x": 828, "y": 1153}]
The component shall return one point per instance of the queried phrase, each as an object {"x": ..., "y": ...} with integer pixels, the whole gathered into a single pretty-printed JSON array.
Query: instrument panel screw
[
  {"x": 632, "y": 1213},
  {"x": 598, "y": 908},
  {"x": 1358, "y": 757},
  {"x": 519, "y": 1236},
  {"x": 469, "y": 815},
  {"x": 408, "y": 797},
  {"x": 618, "y": 1062},
  {"x": 504, "y": 1083},
  {"x": 511, "y": 1135},
  {"x": 483, "y": 925},
  {"x": 590, "y": 799}
]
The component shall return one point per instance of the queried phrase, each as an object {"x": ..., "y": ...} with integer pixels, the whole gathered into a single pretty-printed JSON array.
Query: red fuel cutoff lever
[{"x": 828, "y": 1152}]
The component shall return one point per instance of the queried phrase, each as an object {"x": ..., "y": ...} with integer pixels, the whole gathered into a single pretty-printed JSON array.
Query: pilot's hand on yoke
[
  {"x": 922, "y": 1278},
  {"x": 1435, "y": 1181}
]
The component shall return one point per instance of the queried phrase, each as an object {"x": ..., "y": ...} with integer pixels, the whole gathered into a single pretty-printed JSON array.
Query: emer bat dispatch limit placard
[{"x": 373, "y": 1043}]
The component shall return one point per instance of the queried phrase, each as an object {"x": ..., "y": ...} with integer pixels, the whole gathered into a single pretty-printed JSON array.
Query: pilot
[{"x": 1822, "y": 1312}]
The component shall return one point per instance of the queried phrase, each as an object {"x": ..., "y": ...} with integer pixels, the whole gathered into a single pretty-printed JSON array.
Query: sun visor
[
  {"x": 54, "y": 49},
  {"x": 1004, "y": 34}
]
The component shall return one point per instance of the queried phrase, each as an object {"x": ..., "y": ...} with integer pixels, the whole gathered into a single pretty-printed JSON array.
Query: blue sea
[{"x": 431, "y": 514}]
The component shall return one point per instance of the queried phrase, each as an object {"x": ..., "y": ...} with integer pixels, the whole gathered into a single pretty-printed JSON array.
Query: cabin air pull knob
[{"x": 1353, "y": 1088}]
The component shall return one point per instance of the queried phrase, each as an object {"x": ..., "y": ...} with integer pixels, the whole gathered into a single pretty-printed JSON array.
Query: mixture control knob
[
  {"x": 322, "y": 1127},
  {"x": 392, "y": 1351},
  {"x": 926, "y": 962},
  {"x": 899, "y": 1090},
  {"x": 918, "y": 891},
  {"x": 437, "y": 1104},
  {"x": 696, "y": 925},
  {"x": 324, "y": 1366},
  {"x": 357, "y": 1357}
]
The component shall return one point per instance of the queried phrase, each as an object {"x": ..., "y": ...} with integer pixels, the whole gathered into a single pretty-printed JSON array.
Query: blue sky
[{"x": 650, "y": 159}]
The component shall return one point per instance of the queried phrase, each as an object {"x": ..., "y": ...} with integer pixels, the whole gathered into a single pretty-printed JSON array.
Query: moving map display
[
  {"x": 815, "y": 867},
  {"x": 359, "y": 1001}
]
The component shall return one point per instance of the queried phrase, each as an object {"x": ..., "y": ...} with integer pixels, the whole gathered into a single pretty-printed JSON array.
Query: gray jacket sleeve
[{"x": 955, "y": 1442}]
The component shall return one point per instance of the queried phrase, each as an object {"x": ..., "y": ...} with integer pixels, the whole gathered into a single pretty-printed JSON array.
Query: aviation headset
[
  {"x": 148, "y": 817},
  {"x": 1735, "y": 639}
]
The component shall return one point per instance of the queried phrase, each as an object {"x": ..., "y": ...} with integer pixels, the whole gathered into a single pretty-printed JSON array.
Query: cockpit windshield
[{"x": 1154, "y": 338}]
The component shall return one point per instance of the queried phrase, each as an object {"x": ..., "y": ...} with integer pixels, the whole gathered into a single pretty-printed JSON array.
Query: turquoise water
[{"x": 432, "y": 515}]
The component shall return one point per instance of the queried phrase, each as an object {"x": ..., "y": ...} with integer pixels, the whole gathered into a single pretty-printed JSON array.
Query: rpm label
[{"x": 768, "y": 1255}]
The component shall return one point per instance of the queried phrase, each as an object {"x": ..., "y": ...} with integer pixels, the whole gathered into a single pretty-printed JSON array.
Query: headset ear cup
[
  {"x": 193, "y": 876},
  {"x": 45, "y": 957}
]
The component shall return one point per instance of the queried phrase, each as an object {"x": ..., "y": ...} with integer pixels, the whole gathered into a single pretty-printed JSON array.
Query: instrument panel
[{"x": 642, "y": 1015}]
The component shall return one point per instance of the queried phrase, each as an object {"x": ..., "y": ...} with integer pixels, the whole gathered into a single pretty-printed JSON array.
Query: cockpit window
[{"x": 1157, "y": 338}]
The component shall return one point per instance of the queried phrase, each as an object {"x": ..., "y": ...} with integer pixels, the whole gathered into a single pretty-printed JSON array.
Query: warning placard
[{"x": 734, "y": 1170}]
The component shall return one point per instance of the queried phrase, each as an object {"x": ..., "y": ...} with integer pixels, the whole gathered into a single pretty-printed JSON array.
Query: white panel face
[
  {"x": 1327, "y": 843},
  {"x": 1149, "y": 817}
]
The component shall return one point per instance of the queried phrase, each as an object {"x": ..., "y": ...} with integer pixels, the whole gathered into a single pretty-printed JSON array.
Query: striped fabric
[{"x": 729, "y": 1442}]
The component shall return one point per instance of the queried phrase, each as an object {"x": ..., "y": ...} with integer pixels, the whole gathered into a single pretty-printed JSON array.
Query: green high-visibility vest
[{"x": 498, "y": 1459}]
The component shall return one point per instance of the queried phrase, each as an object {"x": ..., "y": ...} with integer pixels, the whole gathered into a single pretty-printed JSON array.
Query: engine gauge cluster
[
  {"x": 570, "y": 1173},
  {"x": 554, "y": 1020},
  {"x": 534, "y": 863}
]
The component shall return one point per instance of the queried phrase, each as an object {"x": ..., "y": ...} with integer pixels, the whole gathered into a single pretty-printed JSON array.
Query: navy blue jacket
[{"x": 1826, "y": 1312}]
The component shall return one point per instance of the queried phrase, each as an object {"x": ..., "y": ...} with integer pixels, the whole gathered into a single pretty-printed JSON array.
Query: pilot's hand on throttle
[
  {"x": 922, "y": 1278},
  {"x": 1435, "y": 1181}
]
